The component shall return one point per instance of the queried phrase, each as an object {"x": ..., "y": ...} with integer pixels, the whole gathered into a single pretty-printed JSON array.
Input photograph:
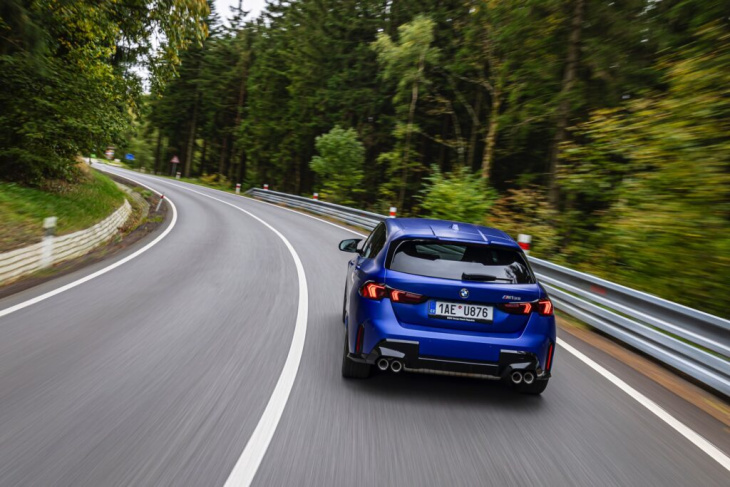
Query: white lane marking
[
  {"x": 711, "y": 450},
  {"x": 307, "y": 215},
  {"x": 696, "y": 439},
  {"x": 100, "y": 272},
  {"x": 248, "y": 464}
]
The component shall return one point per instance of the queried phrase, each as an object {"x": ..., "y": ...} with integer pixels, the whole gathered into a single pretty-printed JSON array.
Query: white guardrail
[
  {"x": 52, "y": 250},
  {"x": 688, "y": 340}
]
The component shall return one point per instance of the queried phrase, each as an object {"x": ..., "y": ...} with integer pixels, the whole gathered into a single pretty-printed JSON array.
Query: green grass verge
[{"x": 77, "y": 206}]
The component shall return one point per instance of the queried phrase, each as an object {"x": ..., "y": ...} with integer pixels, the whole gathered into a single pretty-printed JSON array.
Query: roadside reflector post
[
  {"x": 315, "y": 196},
  {"x": 238, "y": 188},
  {"x": 524, "y": 242},
  {"x": 266, "y": 186},
  {"x": 392, "y": 212},
  {"x": 177, "y": 175},
  {"x": 49, "y": 230},
  {"x": 159, "y": 203}
]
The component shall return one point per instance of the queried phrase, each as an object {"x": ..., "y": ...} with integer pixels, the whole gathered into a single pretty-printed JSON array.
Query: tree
[
  {"x": 459, "y": 196},
  {"x": 339, "y": 165},
  {"x": 406, "y": 61},
  {"x": 66, "y": 77},
  {"x": 660, "y": 166}
]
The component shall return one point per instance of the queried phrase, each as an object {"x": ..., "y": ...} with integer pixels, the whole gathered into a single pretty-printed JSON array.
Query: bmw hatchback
[{"x": 444, "y": 297}]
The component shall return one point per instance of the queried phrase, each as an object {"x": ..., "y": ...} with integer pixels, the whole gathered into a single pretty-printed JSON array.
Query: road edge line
[
  {"x": 700, "y": 442},
  {"x": 78, "y": 282}
]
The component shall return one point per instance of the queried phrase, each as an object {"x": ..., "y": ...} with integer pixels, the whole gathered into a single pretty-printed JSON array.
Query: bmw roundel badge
[{"x": 464, "y": 293}]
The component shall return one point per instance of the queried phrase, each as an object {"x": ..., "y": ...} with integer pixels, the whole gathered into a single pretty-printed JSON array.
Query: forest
[{"x": 601, "y": 128}]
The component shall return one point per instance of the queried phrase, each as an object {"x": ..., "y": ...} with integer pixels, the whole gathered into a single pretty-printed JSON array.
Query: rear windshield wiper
[{"x": 482, "y": 277}]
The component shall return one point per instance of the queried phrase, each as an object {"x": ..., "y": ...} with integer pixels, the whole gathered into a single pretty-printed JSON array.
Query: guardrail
[
  {"x": 691, "y": 341},
  {"x": 360, "y": 218},
  {"x": 52, "y": 250}
]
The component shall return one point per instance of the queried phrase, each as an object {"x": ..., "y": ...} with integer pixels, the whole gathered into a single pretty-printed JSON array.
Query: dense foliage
[
  {"x": 339, "y": 165},
  {"x": 66, "y": 76},
  {"x": 600, "y": 128}
]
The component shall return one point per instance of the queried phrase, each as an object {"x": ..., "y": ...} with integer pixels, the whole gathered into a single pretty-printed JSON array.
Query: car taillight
[
  {"x": 549, "y": 361},
  {"x": 545, "y": 307},
  {"x": 405, "y": 297},
  {"x": 358, "y": 342},
  {"x": 516, "y": 308},
  {"x": 373, "y": 290}
]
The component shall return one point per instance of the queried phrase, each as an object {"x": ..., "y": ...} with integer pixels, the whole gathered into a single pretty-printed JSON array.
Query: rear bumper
[
  {"x": 408, "y": 352},
  {"x": 381, "y": 326}
]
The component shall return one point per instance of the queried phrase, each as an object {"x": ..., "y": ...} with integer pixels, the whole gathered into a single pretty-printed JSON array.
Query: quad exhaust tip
[
  {"x": 396, "y": 366},
  {"x": 383, "y": 364},
  {"x": 529, "y": 378},
  {"x": 516, "y": 377}
]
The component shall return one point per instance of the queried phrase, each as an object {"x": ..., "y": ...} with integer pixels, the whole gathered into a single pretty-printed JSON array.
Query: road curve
[{"x": 159, "y": 371}]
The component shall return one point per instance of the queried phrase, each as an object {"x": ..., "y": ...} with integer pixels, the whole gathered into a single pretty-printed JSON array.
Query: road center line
[
  {"x": 247, "y": 465},
  {"x": 100, "y": 272}
]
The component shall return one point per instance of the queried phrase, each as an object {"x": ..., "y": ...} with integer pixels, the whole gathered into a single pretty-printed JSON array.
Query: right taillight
[
  {"x": 372, "y": 290},
  {"x": 545, "y": 307}
]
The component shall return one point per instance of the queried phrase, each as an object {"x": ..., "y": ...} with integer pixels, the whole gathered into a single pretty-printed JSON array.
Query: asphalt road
[{"x": 159, "y": 371}]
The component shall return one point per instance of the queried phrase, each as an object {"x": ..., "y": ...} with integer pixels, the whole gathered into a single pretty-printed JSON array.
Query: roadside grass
[{"x": 76, "y": 205}]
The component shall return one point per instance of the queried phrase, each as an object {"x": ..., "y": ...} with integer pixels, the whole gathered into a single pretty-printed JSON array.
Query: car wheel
[
  {"x": 536, "y": 388},
  {"x": 352, "y": 369}
]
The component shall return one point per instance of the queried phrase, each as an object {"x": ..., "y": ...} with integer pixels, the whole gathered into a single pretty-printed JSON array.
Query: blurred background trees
[
  {"x": 67, "y": 75},
  {"x": 600, "y": 128}
]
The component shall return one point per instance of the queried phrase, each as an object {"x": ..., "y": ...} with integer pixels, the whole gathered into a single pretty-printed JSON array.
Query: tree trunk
[
  {"x": 222, "y": 161},
  {"x": 229, "y": 154},
  {"x": 241, "y": 176},
  {"x": 191, "y": 139},
  {"x": 491, "y": 139},
  {"x": 157, "y": 152},
  {"x": 409, "y": 129},
  {"x": 242, "y": 91},
  {"x": 475, "y": 126},
  {"x": 563, "y": 112},
  {"x": 203, "y": 155}
]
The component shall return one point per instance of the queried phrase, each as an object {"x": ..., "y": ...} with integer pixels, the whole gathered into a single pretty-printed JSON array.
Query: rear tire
[
  {"x": 536, "y": 388},
  {"x": 352, "y": 369}
]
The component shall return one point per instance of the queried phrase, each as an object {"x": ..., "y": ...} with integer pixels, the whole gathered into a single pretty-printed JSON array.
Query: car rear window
[{"x": 461, "y": 261}]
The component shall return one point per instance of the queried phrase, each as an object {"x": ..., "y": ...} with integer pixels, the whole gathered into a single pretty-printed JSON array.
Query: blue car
[{"x": 444, "y": 297}]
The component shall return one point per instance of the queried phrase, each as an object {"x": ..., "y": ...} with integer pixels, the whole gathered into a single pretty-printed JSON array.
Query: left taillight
[
  {"x": 405, "y": 297},
  {"x": 375, "y": 291},
  {"x": 372, "y": 290}
]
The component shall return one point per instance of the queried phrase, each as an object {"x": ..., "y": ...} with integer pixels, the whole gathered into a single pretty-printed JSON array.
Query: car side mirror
[{"x": 350, "y": 245}]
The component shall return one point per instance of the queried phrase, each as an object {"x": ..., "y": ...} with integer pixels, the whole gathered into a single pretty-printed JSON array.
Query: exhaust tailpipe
[
  {"x": 396, "y": 366},
  {"x": 383, "y": 364},
  {"x": 516, "y": 377},
  {"x": 529, "y": 378}
]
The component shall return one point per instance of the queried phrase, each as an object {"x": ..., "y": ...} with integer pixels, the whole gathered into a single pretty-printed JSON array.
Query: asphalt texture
[{"x": 157, "y": 373}]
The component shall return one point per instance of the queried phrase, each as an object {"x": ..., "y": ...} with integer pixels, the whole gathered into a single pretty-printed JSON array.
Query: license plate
[{"x": 460, "y": 311}]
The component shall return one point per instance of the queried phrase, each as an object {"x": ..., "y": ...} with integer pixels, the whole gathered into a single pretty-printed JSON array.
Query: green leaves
[
  {"x": 459, "y": 195},
  {"x": 659, "y": 169},
  {"x": 339, "y": 165},
  {"x": 66, "y": 80}
]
